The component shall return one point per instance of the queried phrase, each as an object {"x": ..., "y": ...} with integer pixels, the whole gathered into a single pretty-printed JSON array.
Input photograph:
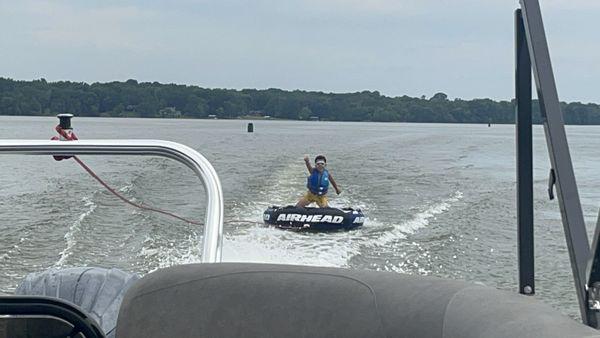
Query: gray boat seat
[
  {"x": 97, "y": 291},
  {"x": 264, "y": 300}
]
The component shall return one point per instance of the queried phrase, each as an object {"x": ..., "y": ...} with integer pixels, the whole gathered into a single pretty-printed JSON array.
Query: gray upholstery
[
  {"x": 97, "y": 291},
  {"x": 262, "y": 300}
]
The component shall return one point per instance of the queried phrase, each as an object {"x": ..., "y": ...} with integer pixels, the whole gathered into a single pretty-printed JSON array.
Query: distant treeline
[{"x": 133, "y": 99}]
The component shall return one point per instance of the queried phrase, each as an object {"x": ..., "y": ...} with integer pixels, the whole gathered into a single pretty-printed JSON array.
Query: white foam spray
[
  {"x": 74, "y": 229},
  {"x": 418, "y": 221}
]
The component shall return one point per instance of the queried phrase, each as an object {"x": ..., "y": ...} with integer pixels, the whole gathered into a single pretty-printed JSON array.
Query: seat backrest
[{"x": 263, "y": 300}]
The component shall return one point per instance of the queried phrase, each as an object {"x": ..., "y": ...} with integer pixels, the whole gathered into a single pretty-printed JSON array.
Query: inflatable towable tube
[{"x": 316, "y": 219}]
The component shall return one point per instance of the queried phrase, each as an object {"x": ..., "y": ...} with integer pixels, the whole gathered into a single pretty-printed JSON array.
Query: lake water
[{"x": 440, "y": 199}]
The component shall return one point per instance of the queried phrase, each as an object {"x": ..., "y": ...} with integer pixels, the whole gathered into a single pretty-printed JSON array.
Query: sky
[{"x": 463, "y": 48}]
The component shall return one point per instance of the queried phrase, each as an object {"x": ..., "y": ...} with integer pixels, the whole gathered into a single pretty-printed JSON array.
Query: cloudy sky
[{"x": 398, "y": 47}]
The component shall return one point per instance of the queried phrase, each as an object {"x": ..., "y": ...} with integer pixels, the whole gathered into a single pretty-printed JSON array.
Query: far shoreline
[{"x": 250, "y": 119}]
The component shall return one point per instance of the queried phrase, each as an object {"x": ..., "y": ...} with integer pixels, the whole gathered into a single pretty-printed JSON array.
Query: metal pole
[
  {"x": 593, "y": 279},
  {"x": 558, "y": 148},
  {"x": 524, "y": 160},
  {"x": 213, "y": 227}
]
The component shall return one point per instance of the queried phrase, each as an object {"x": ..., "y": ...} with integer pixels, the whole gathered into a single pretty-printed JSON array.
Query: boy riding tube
[{"x": 317, "y": 183}]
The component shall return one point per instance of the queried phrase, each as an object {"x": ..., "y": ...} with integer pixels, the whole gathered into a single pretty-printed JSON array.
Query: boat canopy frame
[
  {"x": 213, "y": 226},
  {"x": 532, "y": 53}
]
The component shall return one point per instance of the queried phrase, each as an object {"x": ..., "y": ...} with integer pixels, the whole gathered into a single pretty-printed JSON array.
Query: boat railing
[{"x": 213, "y": 226}]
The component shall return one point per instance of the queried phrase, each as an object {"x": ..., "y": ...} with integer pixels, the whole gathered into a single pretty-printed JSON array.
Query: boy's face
[{"x": 320, "y": 164}]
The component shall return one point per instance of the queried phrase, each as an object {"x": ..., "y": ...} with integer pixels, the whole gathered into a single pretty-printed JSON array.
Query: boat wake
[
  {"x": 246, "y": 239},
  {"x": 74, "y": 230},
  {"x": 418, "y": 221},
  {"x": 262, "y": 244},
  {"x": 185, "y": 252}
]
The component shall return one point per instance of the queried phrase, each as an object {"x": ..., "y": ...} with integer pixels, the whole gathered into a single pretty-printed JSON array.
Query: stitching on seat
[{"x": 459, "y": 292}]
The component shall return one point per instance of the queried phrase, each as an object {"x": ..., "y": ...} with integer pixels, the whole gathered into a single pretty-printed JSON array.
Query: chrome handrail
[{"x": 213, "y": 226}]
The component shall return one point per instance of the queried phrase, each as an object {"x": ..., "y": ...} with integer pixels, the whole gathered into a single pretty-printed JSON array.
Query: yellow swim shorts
[{"x": 320, "y": 200}]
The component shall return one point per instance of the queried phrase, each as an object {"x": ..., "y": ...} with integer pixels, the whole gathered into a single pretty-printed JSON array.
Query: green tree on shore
[{"x": 145, "y": 99}]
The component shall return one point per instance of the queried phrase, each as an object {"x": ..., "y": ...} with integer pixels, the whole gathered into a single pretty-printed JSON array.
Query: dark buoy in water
[{"x": 250, "y": 127}]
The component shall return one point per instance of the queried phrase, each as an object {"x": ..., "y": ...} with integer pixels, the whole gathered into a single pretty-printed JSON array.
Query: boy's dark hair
[{"x": 320, "y": 157}]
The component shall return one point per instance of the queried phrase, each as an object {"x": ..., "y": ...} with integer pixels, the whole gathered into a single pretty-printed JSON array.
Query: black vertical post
[
  {"x": 558, "y": 149},
  {"x": 524, "y": 160},
  {"x": 593, "y": 280}
]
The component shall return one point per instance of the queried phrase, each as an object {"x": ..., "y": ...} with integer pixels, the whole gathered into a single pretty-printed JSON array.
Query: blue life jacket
[{"x": 318, "y": 182}]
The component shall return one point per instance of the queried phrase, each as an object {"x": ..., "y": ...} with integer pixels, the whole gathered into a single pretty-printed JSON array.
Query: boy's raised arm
[{"x": 307, "y": 162}]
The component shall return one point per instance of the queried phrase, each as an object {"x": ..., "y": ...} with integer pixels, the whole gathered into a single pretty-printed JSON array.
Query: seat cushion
[{"x": 265, "y": 300}]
